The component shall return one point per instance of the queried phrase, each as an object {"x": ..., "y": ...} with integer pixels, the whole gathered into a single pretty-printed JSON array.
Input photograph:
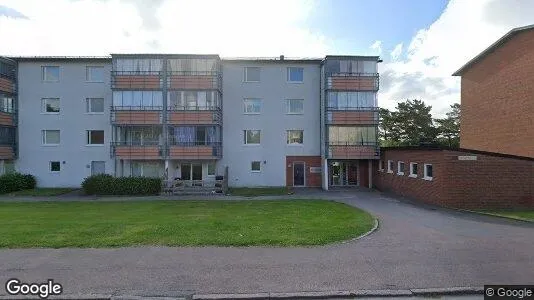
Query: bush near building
[
  {"x": 16, "y": 182},
  {"x": 105, "y": 184}
]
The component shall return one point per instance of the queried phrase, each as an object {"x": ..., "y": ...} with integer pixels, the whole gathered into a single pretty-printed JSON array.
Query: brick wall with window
[{"x": 459, "y": 179}]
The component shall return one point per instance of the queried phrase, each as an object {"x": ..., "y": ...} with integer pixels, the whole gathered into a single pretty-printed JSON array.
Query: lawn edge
[{"x": 498, "y": 216}]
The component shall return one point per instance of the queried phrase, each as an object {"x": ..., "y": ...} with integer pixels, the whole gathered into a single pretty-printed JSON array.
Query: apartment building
[
  {"x": 8, "y": 114},
  {"x": 271, "y": 121}
]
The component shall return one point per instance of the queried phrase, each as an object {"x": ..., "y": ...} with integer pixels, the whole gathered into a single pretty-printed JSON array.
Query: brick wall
[
  {"x": 497, "y": 99},
  {"x": 311, "y": 179},
  {"x": 490, "y": 181}
]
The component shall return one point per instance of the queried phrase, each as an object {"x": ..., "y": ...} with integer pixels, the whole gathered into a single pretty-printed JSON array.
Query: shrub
[
  {"x": 105, "y": 184},
  {"x": 16, "y": 182}
]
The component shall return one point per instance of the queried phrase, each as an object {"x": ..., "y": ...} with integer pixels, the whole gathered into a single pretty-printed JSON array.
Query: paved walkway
[{"x": 415, "y": 247}]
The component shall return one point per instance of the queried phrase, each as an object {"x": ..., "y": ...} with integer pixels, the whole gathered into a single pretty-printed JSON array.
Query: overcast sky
[{"x": 422, "y": 42}]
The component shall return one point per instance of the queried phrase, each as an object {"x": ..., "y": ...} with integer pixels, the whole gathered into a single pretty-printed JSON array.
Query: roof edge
[
  {"x": 486, "y": 51},
  {"x": 445, "y": 148}
]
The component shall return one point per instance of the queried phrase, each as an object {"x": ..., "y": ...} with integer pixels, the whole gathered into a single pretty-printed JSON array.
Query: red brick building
[{"x": 497, "y": 92}]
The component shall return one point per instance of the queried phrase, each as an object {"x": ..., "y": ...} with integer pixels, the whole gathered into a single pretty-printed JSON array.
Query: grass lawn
[
  {"x": 526, "y": 215},
  {"x": 179, "y": 223},
  {"x": 41, "y": 192},
  {"x": 252, "y": 192}
]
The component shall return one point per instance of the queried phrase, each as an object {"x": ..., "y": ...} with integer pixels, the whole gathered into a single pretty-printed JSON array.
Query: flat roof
[
  {"x": 275, "y": 59},
  {"x": 445, "y": 148},
  {"x": 492, "y": 47},
  {"x": 166, "y": 55},
  {"x": 56, "y": 58}
]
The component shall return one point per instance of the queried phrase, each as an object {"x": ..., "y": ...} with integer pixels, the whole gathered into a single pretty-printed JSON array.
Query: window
[
  {"x": 147, "y": 169},
  {"x": 138, "y": 100},
  {"x": 95, "y": 137},
  {"x": 413, "y": 170},
  {"x": 352, "y": 100},
  {"x": 295, "y": 137},
  {"x": 400, "y": 168},
  {"x": 94, "y": 105},
  {"x": 252, "y": 74},
  {"x": 137, "y": 65},
  {"x": 194, "y": 135},
  {"x": 55, "y": 166},
  {"x": 94, "y": 74},
  {"x": 9, "y": 167},
  {"x": 252, "y": 106},
  {"x": 255, "y": 166},
  {"x": 191, "y": 100},
  {"x": 7, "y": 135},
  {"x": 252, "y": 137},
  {"x": 51, "y": 137},
  {"x": 390, "y": 166},
  {"x": 295, "y": 74},
  {"x": 211, "y": 169},
  {"x": 50, "y": 105},
  {"x": 6, "y": 104},
  {"x": 98, "y": 167},
  {"x": 295, "y": 106},
  {"x": 352, "y": 135},
  {"x": 428, "y": 172},
  {"x": 50, "y": 73}
]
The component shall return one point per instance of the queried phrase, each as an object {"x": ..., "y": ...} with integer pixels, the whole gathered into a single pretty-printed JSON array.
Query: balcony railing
[
  {"x": 352, "y": 117},
  {"x": 7, "y": 85},
  {"x": 125, "y": 150},
  {"x": 194, "y": 117},
  {"x": 8, "y": 117},
  {"x": 7, "y": 151},
  {"x": 194, "y": 150},
  {"x": 136, "y": 80},
  {"x": 194, "y": 80},
  {"x": 136, "y": 115},
  {"x": 352, "y": 81},
  {"x": 364, "y": 150}
]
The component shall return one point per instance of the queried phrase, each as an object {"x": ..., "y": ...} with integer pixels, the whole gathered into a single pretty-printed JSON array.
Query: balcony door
[{"x": 191, "y": 171}]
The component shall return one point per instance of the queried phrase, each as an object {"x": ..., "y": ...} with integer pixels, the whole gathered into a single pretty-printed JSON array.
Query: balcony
[
  {"x": 195, "y": 150},
  {"x": 131, "y": 80},
  {"x": 205, "y": 116},
  {"x": 7, "y": 85},
  {"x": 129, "y": 150},
  {"x": 134, "y": 115},
  {"x": 7, "y": 118},
  {"x": 7, "y": 152},
  {"x": 352, "y": 117},
  {"x": 352, "y": 81},
  {"x": 344, "y": 151},
  {"x": 189, "y": 80}
]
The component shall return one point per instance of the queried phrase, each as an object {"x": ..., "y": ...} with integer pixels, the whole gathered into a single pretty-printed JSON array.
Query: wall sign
[
  {"x": 315, "y": 169},
  {"x": 467, "y": 157}
]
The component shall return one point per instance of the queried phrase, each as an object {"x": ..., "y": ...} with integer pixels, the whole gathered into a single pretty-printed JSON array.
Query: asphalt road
[{"x": 414, "y": 247}]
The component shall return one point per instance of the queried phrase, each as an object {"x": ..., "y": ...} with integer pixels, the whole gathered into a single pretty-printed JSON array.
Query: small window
[
  {"x": 98, "y": 167},
  {"x": 255, "y": 166},
  {"x": 50, "y": 105},
  {"x": 428, "y": 172},
  {"x": 9, "y": 167},
  {"x": 390, "y": 166},
  {"x": 252, "y": 74},
  {"x": 252, "y": 106},
  {"x": 295, "y": 106},
  {"x": 295, "y": 137},
  {"x": 94, "y": 105},
  {"x": 400, "y": 168},
  {"x": 252, "y": 137},
  {"x": 413, "y": 169},
  {"x": 51, "y": 137},
  {"x": 295, "y": 74},
  {"x": 50, "y": 73},
  {"x": 94, "y": 74},
  {"x": 55, "y": 166},
  {"x": 95, "y": 137},
  {"x": 211, "y": 169}
]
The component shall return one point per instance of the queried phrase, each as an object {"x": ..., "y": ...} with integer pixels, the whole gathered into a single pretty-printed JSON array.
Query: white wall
[
  {"x": 72, "y": 121},
  {"x": 273, "y": 121}
]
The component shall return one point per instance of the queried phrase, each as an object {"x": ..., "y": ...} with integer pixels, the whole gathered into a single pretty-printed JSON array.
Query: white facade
[
  {"x": 73, "y": 121},
  {"x": 273, "y": 120}
]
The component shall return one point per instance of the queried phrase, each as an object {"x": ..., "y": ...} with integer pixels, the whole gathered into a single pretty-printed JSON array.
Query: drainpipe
[{"x": 370, "y": 173}]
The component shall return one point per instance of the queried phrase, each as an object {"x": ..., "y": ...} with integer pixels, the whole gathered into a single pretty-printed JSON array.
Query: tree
[
  {"x": 449, "y": 127},
  {"x": 387, "y": 129},
  {"x": 414, "y": 122}
]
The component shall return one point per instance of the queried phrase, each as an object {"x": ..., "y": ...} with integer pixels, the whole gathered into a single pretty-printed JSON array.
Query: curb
[
  {"x": 372, "y": 230},
  {"x": 524, "y": 221}
]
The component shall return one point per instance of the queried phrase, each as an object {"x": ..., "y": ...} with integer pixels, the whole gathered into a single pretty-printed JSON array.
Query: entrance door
[
  {"x": 336, "y": 173},
  {"x": 186, "y": 171},
  {"x": 298, "y": 174}
]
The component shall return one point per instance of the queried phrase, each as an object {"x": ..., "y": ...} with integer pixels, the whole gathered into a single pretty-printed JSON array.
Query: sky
[{"x": 421, "y": 42}]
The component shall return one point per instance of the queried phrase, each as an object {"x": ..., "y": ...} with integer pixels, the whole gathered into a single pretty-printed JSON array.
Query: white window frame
[
  {"x": 288, "y": 75},
  {"x": 399, "y": 172},
  {"x": 250, "y": 100},
  {"x": 88, "y": 138},
  {"x": 294, "y": 144},
  {"x": 381, "y": 165},
  {"x": 426, "y": 177},
  {"x": 390, "y": 166},
  {"x": 43, "y": 137},
  {"x": 89, "y": 106},
  {"x": 288, "y": 106},
  {"x": 87, "y": 73},
  {"x": 245, "y": 74},
  {"x": 43, "y": 74},
  {"x": 50, "y": 166},
  {"x": 251, "y": 165},
  {"x": 412, "y": 174},
  {"x": 246, "y": 140},
  {"x": 98, "y": 161},
  {"x": 43, "y": 106}
]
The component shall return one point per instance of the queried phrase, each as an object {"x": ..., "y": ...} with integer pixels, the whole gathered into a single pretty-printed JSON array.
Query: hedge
[
  {"x": 105, "y": 184},
  {"x": 16, "y": 182}
]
